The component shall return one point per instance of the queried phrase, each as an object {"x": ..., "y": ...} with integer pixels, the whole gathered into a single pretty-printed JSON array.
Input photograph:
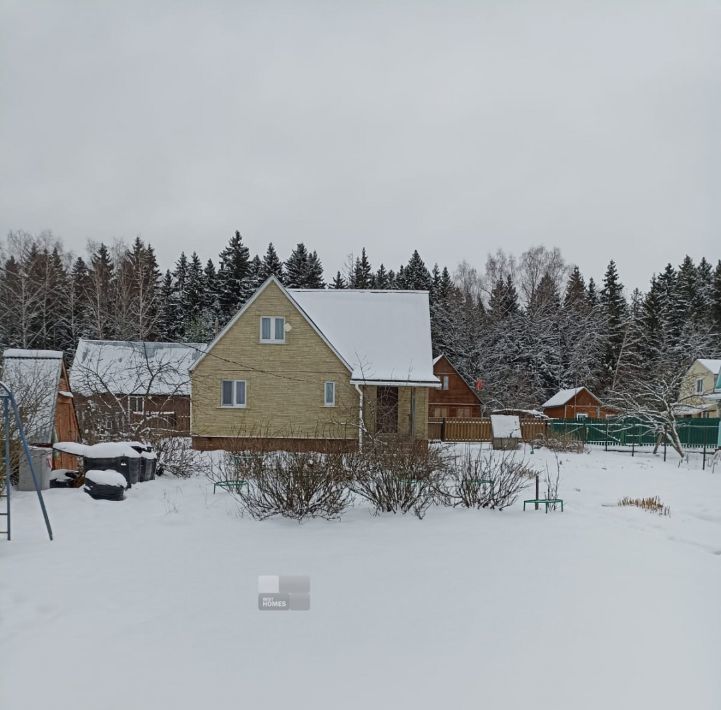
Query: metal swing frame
[{"x": 8, "y": 404}]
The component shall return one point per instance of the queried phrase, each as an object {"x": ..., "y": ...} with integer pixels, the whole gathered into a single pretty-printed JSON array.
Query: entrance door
[{"x": 387, "y": 410}]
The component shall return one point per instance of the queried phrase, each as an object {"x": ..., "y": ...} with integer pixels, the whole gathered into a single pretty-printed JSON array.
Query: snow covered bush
[
  {"x": 486, "y": 479},
  {"x": 397, "y": 477},
  {"x": 292, "y": 485}
]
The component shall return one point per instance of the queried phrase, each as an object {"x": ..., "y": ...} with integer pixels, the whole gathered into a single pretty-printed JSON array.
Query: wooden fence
[{"x": 479, "y": 429}]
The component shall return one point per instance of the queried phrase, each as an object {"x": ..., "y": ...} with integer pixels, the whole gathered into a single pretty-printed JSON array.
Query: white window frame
[
  {"x": 580, "y": 416},
  {"x": 235, "y": 404},
  {"x": 445, "y": 382},
  {"x": 326, "y": 403},
  {"x": 273, "y": 328},
  {"x": 699, "y": 385}
]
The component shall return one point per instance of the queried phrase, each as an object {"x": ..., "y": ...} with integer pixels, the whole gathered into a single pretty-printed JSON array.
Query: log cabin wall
[{"x": 455, "y": 399}]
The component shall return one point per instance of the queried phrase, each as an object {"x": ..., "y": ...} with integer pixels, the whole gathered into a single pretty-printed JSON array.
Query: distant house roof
[
  {"x": 564, "y": 397},
  {"x": 33, "y": 377},
  {"x": 382, "y": 337},
  {"x": 133, "y": 367},
  {"x": 713, "y": 366}
]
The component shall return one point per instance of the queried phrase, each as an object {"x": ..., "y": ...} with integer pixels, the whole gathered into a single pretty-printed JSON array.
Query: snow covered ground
[{"x": 151, "y": 603}]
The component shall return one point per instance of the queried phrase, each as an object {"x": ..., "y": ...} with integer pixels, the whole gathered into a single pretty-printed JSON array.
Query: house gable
[{"x": 284, "y": 382}]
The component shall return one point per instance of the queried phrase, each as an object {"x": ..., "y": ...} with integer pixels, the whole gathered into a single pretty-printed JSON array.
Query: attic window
[
  {"x": 444, "y": 379},
  {"x": 699, "y": 385},
  {"x": 272, "y": 329}
]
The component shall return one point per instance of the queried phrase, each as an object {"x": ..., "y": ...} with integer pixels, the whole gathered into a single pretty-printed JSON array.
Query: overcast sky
[{"x": 454, "y": 128}]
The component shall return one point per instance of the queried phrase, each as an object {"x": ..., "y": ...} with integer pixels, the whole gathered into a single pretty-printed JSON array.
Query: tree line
[{"x": 521, "y": 328}]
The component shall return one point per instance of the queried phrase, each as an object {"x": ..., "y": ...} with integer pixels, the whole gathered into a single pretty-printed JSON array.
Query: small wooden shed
[
  {"x": 576, "y": 403},
  {"x": 40, "y": 383}
]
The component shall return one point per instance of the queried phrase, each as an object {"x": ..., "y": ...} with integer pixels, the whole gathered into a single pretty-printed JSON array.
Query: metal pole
[
  {"x": 26, "y": 451},
  {"x": 536, "y": 504},
  {"x": 705, "y": 440},
  {"x": 664, "y": 449},
  {"x": 8, "y": 467}
]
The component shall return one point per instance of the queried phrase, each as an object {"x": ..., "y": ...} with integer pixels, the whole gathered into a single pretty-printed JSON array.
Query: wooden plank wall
[{"x": 479, "y": 429}]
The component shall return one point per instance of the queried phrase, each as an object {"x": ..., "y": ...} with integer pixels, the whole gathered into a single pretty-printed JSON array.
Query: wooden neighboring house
[
  {"x": 455, "y": 398},
  {"x": 133, "y": 387},
  {"x": 700, "y": 391},
  {"x": 40, "y": 384},
  {"x": 301, "y": 369},
  {"x": 577, "y": 403}
]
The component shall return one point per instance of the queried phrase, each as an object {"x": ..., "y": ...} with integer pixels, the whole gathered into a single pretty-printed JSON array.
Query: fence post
[
  {"x": 633, "y": 446},
  {"x": 443, "y": 429},
  {"x": 606, "y": 442},
  {"x": 536, "y": 504},
  {"x": 705, "y": 441},
  {"x": 664, "y": 449}
]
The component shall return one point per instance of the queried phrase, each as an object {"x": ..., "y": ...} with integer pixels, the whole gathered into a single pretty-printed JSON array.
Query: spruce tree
[
  {"x": 314, "y": 278},
  {"x": 100, "y": 302},
  {"x": 381, "y": 279},
  {"x": 715, "y": 307},
  {"x": 338, "y": 281},
  {"x": 416, "y": 276},
  {"x": 576, "y": 296},
  {"x": 615, "y": 311},
  {"x": 271, "y": 265},
  {"x": 234, "y": 283},
  {"x": 296, "y": 267},
  {"x": 362, "y": 272}
]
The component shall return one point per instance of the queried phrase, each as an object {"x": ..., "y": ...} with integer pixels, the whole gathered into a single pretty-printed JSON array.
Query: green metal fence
[{"x": 693, "y": 433}]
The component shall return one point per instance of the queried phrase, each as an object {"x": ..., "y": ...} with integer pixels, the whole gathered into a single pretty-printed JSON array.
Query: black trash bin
[
  {"x": 147, "y": 461},
  {"x": 114, "y": 457}
]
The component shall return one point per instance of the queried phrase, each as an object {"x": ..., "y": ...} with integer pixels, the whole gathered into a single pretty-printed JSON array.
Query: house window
[
  {"x": 136, "y": 404},
  {"x": 329, "y": 394},
  {"x": 699, "y": 385},
  {"x": 440, "y": 412},
  {"x": 232, "y": 393},
  {"x": 272, "y": 329},
  {"x": 444, "y": 380},
  {"x": 581, "y": 415}
]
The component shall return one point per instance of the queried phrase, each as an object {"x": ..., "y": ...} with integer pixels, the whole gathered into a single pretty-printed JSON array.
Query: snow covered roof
[
  {"x": 562, "y": 397},
  {"x": 436, "y": 359},
  {"x": 713, "y": 366},
  {"x": 133, "y": 367},
  {"x": 384, "y": 336},
  {"x": 33, "y": 377}
]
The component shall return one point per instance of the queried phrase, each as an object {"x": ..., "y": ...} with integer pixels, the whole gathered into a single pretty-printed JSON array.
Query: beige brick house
[
  {"x": 299, "y": 369},
  {"x": 700, "y": 393}
]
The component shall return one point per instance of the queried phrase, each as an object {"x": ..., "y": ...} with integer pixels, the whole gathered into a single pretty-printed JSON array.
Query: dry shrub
[
  {"x": 487, "y": 479},
  {"x": 561, "y": 441},
  {"x": 292, "y": 485},
  {"x": 397, "y": 477},
  {"x": 652, "y": 505}
]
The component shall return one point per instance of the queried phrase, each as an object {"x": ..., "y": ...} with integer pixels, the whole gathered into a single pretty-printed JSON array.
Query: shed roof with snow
[
  {"x": 123, "y": 367},
  {"x": 562, "y": 397},
  {"x": 33, "y": 377}
]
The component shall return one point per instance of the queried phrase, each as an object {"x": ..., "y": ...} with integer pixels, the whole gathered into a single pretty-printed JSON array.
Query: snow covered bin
[
  {"x": 118, "y": 456},
  {"x": 105, "y": 485}
]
